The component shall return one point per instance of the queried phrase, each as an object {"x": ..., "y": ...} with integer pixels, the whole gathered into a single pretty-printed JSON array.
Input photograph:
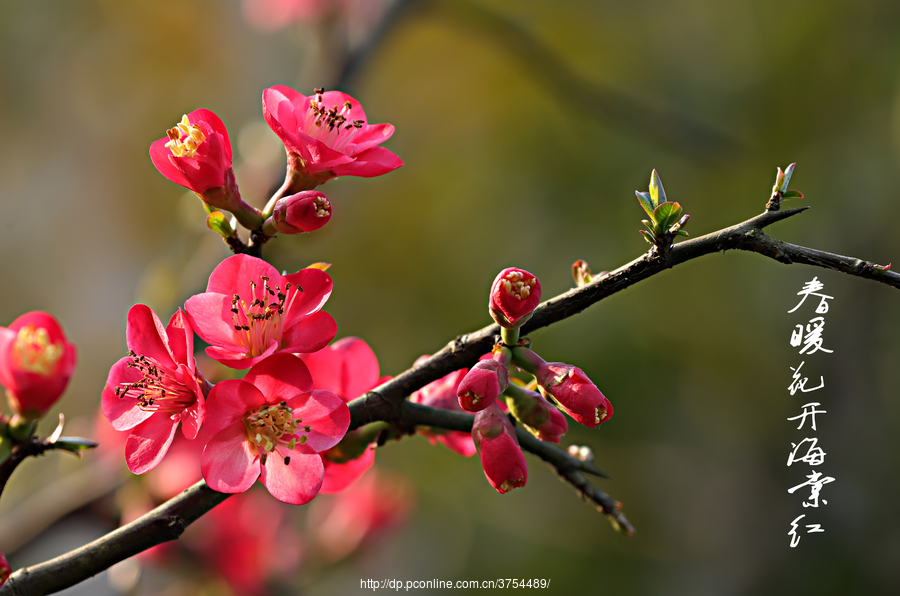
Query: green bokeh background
[{"x": 504, "y": 165}]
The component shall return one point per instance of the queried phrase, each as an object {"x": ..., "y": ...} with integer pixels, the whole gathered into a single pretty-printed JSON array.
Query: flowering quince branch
[{"x": 253, "y": 317}]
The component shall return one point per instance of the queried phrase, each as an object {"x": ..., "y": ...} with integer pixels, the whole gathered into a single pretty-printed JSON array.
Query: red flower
[
  {"x": 326, "y": 135},
  {"x": 482, "y": 385},
  {"x": 501, "y": 457},
  {"x": 514, "y": 295},
  {"x": 154, "y": 388},
  {"x": 348, "y": 368},
  {"x": 271, "y": 423},
  {"x": 36, "y": 362},
  {"x": 250, "y": 311},
  {"x": 442, "y": 394},
  {"x": 574, "y": 392},
  {"x": 195, "y": 153},
  {"x": 302, "y": 212}
]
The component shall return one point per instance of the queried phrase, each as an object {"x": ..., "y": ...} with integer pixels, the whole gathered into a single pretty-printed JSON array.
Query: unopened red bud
[
  {"x": 36, "y": 362},
  {"x": 302, "y": 212},
  {"x": 482, "y": 385},
  {"x": 574, "y": 392},
  {"x": 498, "y": 448},
  {"x": 514, "y": 295}
]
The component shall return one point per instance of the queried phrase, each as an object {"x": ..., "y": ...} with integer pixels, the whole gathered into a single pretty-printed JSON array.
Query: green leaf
[
  {"x": 788, "y": 172},
  {"x": 657, "y": 192},
  {"x": 792, "y": 194},
  {"x": 74, "y": 444},
  {"x": 218, "y": 223},
  {"x": 681, "y": 233},
  {"x": 645, "y": 201},
  {"x": 666, "y": 214},
  {"x": 648, "y": 237}
]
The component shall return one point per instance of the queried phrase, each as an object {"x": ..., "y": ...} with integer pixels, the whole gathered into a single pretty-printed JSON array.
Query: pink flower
[
  {"x": 154, "y": 388},
  {"x": 501, "y": 457},
  {"x": 250, "y": 311},
  {"x": 271, "y": 15},
  {"x": 482, "y": 385},
  {"x": 271, "y": 423},
  {"x": 442, "y": 394},
  {"x": 195, "y": 153},
  {"x": 36, "y": 362},
  {"x": 326, "y": 135},
  {"x": 514, "y": 295},
  {"x": 302, "y": 212},
  {"x": 348, "y": 368},
  {"x": 574, "y": 392},
  {"x": 365, "y": 512}
]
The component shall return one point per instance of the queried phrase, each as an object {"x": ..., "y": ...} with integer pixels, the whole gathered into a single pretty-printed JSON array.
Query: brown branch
[
  {"x": 387, "y": 402},
  {"x": 166, "y": 522}
]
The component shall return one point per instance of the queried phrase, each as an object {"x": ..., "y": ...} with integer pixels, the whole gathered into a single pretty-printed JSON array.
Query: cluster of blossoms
[
  {"x": 277, "y": 421},
  {"x": 325, "y": 135},
  {"x": 514, "y": 295}
]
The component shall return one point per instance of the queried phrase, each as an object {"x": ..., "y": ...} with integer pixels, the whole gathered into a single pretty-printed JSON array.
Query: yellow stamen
[
  {"x": 34, "y": 352},
  {"x": 185, "y": 138}
]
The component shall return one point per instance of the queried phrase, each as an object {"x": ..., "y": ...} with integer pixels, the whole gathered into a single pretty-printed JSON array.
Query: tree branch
[{"x": 387, "y": 402}]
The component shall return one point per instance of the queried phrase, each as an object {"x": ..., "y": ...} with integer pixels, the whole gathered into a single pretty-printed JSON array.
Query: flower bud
[
  {"x": 514, "y": 295},
  {"x": 574, "y": 392},
  {"x": 498, "y": 448},
  {"x": 539, "y": 416},
  {"x": 303, "y": 212},
  {"x": 36, "y": 363},
  {"x": 482, "y": 385}
]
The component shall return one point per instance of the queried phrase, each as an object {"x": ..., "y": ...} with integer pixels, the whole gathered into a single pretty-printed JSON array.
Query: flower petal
[
  {"x": 327, "y": 416},
  {"x": 228, "y": 402},
  {"x": 149, "y": 441},
  {"x": 296, "y": 482},
  {"x": 181, "y": 339},
  {"x": 209, "y": 315},
  {"x": 122, "y": 412},
  {"x": 310, "y": 334},
  {"x": 228, "y": 464},
  {"x": 371, "y": 162},
  {"x": 280, "y": 377},
  {"x": 146, "y": 336},
  {"x": 317, "y": 287},
  {"x": 338, "y": 477},
  {"x": 232, "y": 276}
]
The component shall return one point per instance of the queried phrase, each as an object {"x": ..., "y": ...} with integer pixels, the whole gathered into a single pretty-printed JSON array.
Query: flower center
[
  {"x": 260, "y": 320},
  {"x": 270, "y": 427},
  {"x": 158, "y": 390},
  {"x": 517, "y": 285},
  {"x": 33, "y": 351},
  {"x": 323, "y": 207},
  {"x": 331, "y": 125},
  {"x": 184, "y": 138}
]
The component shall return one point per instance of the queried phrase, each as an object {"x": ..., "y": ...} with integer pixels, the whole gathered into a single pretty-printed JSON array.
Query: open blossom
[
  {"x": 501, "y": 457},
  {"x": 515, "y": 294},
  {"x": 250, "y": 311},
  {"x": 195, "y": 153},
  {"x": 442, "y": 394},
  {"x": 271, "y": 424},
  {"x": 348, "y": 368},
  {"x": 154, "y": 388},
  {"x": 326, "y": 135},
  {"x": 36, "y": 362}
]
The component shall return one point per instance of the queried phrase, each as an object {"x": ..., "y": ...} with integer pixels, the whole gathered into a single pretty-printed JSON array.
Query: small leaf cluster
[{"x": 666, "y": 217}]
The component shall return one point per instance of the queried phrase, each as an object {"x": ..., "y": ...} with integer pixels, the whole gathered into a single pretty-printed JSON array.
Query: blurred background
[{"x": 525, "y": 127}]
